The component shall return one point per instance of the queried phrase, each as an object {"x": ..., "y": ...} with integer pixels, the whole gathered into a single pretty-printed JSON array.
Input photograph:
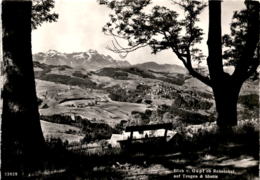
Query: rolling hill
[
  {"x": 168, "y": 68},
  {"x": 114, "y": 94}
]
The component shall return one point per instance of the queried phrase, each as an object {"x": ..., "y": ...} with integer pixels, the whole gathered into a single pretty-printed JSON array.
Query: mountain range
[
  {"x": 90, "y": 94},
  {"x": 91, "y": 60}
]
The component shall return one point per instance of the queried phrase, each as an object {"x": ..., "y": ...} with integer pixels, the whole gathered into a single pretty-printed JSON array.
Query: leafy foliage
[
  {"x": 160, "y": 29},
  {"x": 192, "y": 103},
  {"x": 116, "y": 93},
  {"x": 143, "y": 23},
  {"x": 115, "y": 73},
  {"x": 251, "y": 101},
  {"x": 80, "y": 75},
  {"x": 41, "y": 12},
  {"x": 235, "y": 42}
]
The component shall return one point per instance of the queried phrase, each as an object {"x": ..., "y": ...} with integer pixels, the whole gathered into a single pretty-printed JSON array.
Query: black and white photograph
[{"x": 129, "y": 89}]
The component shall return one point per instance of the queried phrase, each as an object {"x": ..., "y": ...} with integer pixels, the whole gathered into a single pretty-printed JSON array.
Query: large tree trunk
[
  {"x": 22, "y": 138},
  {"x": 226, "y": 97},
  {"x": 225, "y": 88}
]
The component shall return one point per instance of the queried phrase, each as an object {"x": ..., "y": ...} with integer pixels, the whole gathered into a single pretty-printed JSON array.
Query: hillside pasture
[
  {"x": 61, "y": 131},
  {"x": 111, "y": 112}
]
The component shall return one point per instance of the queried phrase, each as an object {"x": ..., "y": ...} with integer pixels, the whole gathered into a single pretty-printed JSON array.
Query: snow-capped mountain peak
[{"x": 89, "y": 60}]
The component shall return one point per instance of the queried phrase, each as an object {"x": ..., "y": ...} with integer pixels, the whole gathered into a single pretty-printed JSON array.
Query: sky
[{"x": 79, "y": 28}]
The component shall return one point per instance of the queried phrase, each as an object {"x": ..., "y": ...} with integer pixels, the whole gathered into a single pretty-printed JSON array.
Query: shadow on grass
[{"x": 210, "y": 154}]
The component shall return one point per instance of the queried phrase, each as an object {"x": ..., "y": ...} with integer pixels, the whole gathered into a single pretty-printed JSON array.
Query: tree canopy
[
  {"x": 42, "y": 12},
  {"x": 235, "y": 42},
  {"x": 163, "y": 28},
  {"x": 143, "y": 23}
]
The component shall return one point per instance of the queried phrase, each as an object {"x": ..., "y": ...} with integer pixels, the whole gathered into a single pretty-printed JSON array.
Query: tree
[
  {"x": 162, "y": 28},
  {"x": 234, "y": 43},
  {"x": 42, "y": 12},
  {"x": 22, "y": 138}
]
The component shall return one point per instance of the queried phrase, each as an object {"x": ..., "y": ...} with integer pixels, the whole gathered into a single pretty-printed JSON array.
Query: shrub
[
  {"x": 148, "y": 101},
  {"x": 57, "y": 118},
  {"x": 191, "y": 103},
  {"x": 191, "y": 117},
  {"x": 97, "y": 131},
  {"x": 121, "y": 126},
  {"x": 115, "y": 73},
  {"x": 116, "y": 93},
  {"x": 56, "y": 144},
  {"x": 251, "y": 101},
  {"x": 172, "y": 80},
  {"x": 80, "y": 75},
  {"x": 139, "y": 72},
  {"x": 210, "y": 138},
  {"x": 68, "y": 80}
]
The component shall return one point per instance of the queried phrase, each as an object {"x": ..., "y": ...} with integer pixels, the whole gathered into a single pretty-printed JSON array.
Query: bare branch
[
  {"x": 186, "y": 60},
  {"x": 205, "y": 79},
  {"x": 123, "y": 51}
]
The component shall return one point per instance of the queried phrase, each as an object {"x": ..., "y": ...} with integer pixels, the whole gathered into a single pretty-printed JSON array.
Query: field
[
  {"x": 61, "y": 131},
  {"x": 84, "y": 112}
]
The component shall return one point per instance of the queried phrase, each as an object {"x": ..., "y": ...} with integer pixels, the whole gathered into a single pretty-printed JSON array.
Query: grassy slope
[
  {"x": 62, "y": 131},
  {"x": 101, "y": 109}
]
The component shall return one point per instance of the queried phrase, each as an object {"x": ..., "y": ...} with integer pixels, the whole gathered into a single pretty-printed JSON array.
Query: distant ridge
[
  {"x": 162, "y": 67},
  {"x": 92, "y": 60}
]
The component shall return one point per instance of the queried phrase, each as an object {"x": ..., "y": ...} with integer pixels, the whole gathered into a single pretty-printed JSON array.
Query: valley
[
  {"x": 86, "y": 101},
  {"x": 119, "y": 94}
]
